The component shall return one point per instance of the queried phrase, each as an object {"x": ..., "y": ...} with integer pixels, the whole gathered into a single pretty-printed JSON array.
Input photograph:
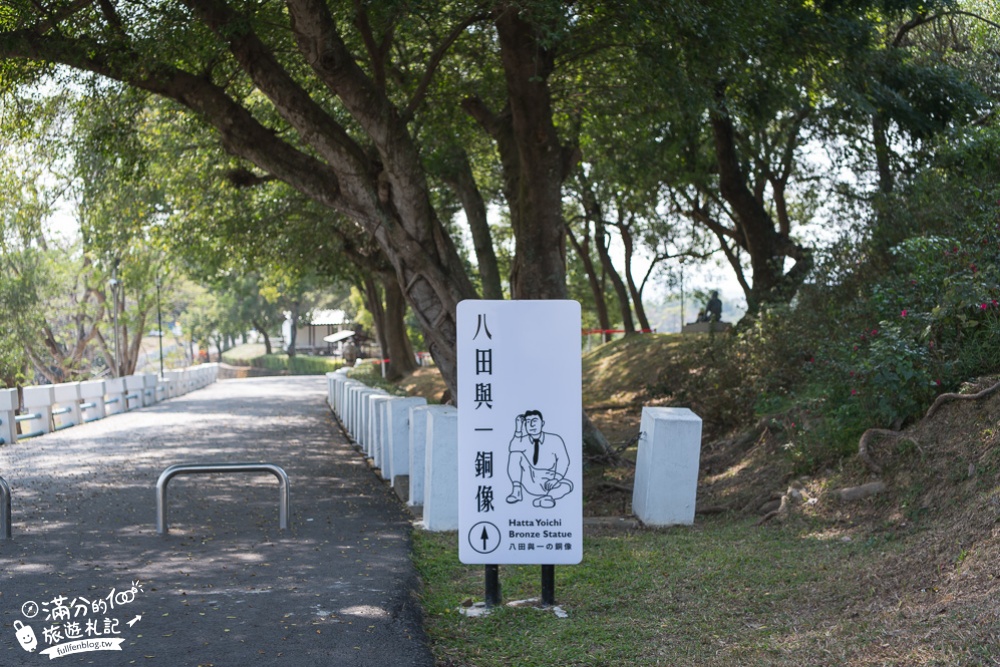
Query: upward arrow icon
[{"x": 485, "y": 537}]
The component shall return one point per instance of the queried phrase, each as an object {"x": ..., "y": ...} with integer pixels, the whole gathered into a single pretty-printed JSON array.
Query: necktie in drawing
[{"x": 534, "y": 459}]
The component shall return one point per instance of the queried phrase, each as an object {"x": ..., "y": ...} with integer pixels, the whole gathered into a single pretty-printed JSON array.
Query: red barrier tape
[{"x": 587, "y": 332}]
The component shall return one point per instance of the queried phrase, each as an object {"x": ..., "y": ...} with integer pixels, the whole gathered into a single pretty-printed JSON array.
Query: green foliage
[
  {"x": 892, "y": 328},
  {"x": 299, "y": 364}
]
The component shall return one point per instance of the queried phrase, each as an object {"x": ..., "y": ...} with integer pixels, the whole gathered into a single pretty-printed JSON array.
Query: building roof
[{"x": 326, "y": 317}]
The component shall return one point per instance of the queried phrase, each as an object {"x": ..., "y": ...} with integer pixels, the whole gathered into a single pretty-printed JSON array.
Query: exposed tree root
[
  {"x": 946, "y": 398},
  {"x": 793, "y": 495},
  {"x": 865, "y": 442},
  {"x": 617, "y": 487},
  {"x": 781, "y": 512},
  {"x": 853, "y": 493}
]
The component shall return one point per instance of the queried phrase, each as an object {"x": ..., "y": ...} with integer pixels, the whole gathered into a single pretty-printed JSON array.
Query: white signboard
[{"x": 520, "y": 439}]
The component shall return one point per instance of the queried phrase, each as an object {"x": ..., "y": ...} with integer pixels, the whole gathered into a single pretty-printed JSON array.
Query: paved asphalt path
[{"x": 225, "y": 587}]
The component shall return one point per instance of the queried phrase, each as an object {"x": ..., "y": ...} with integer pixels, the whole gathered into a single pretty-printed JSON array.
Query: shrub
[{"x": 299, "y": 364}]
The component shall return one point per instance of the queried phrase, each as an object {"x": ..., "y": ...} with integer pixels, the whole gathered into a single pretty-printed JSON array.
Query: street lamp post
[
  {"x": 115, "y": 286},
  {"x": 159, "y": 320}
]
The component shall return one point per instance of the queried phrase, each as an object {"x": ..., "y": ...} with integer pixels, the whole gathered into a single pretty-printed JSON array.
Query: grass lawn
[
  {"x": 722, "y": 593},
  {"x": 908, "y": 578}
]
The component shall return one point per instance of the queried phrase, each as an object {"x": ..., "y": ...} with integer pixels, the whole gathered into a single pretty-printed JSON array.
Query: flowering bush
[{"x": 891, "y": 325}]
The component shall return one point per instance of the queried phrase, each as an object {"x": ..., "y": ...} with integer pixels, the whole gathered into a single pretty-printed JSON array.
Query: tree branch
[
  {"x": 63, "y": 13},
  {"x": 314, "y": 125},
  {"x": 240, "y": 132},
  {"x": 435, "y": 60},
  {"x": 376, "y": 52}
]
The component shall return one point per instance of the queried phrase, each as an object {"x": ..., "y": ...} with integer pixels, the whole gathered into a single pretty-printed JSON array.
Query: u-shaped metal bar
[
  {"x": 5, "y": 527},
  {"x": 197, "y": 468}
]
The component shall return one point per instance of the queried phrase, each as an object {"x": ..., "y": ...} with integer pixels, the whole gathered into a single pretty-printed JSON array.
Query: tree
[
  {"x": 373, "y": 177},
  {"x": 50, "y": 296}
]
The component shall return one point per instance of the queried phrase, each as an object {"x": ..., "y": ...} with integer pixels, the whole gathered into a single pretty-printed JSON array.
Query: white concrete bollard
[
  {"x": 342, "y": 401},
  {"x": 666, "y": 468},
  {"x": 347, "y": 397},
  {"x": 359, "y": 398},
  {"x": 37, "y": 400},
  {"x": 92, "y": 397},
  {"x": 364, "y": 408},
  {"x": 114, "y": 396},
  {"x": 66, "y": 410},
  {"x": 396, "y": 435},
  {"x": 134, "y": 385},
  {"x": 330, "y": 388},
  {"x": 337, "y": 399},
  {"x": 353, "y": 414},
  {"x": 418, "y": 451},
  {"x": 376, "y": 423},
  {"x": 441, "y": 470},
  {"x": 367, "y": 414},
  {"x": 173, "y": 382},
  {"x": 8, "y": 427},
  {"x": 149, "y": 393}
]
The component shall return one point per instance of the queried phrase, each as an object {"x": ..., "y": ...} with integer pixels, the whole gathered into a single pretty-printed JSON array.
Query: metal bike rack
[
  {"x": 5, "y": 528},
  {"x": 198, "y": 468}
]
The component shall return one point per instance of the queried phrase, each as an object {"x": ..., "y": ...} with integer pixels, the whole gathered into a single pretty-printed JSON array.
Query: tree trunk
[
  {"x": 883, "y": 154},
  {"x": 403, "y": 362},
  {"x": 136, "y": 345},
  {"x": 636, "y": 292},
  {"x": 373, "y": 303},
  {"x": 293, "y": 333},
  {"x": 462, "y": 181},
  {"x": 758, "y": 237},
  {"x": 539, "y": 270},
  {"x": 263, "y": 332},
  {"x": 603, "y": 240},
  {"x": 582, "y": 248},
  {"x": 539, "y": 266},
  {"x": 595, "y": 213}
]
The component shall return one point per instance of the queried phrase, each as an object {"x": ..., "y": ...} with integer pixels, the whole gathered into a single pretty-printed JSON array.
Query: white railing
[{"x": 47, "y": 408}]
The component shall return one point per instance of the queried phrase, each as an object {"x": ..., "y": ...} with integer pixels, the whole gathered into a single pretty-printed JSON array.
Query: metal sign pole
[
  {"x": 493, "y": 596},
  {"x": 548, "y": 585}
]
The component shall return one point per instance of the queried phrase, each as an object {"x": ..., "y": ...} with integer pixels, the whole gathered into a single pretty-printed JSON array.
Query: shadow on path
[{"x": 225, "y": 587}]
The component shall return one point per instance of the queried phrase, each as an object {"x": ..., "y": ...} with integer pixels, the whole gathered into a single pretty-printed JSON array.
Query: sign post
[{"x": 520, "y": 439}]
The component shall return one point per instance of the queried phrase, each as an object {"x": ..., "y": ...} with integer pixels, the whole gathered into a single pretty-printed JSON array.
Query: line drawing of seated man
[{"x": 537, "y": 462}]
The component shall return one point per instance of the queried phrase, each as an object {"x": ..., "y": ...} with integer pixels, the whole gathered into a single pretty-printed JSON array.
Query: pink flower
[
  {"x": 854, "y": 392},
  {"x": 982, "y": 306},
  {"x": 903, "y": 314},
  {"x": 874, "y": 332}
]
